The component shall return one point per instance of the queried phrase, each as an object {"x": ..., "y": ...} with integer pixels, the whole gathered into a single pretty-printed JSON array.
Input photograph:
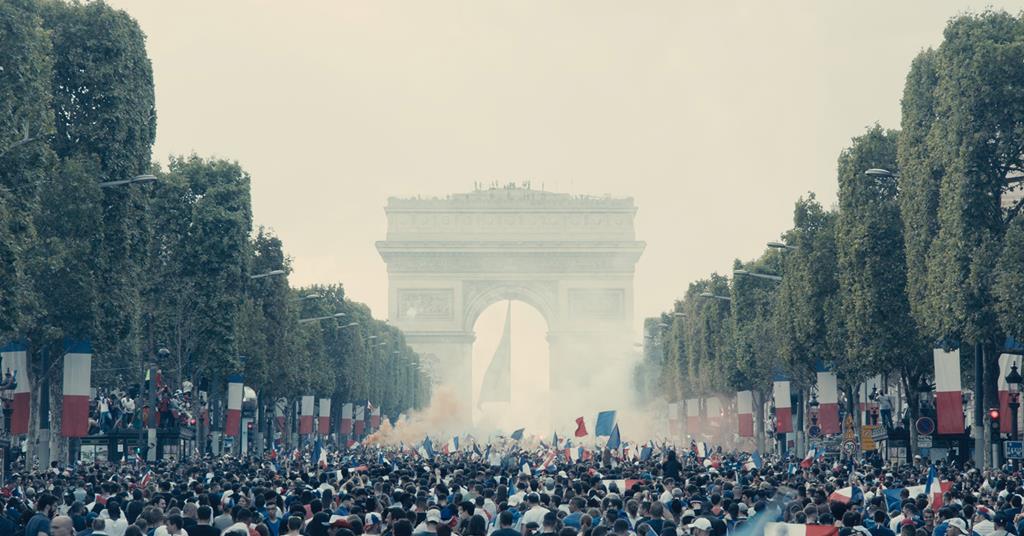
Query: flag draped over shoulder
[{"x": 497, "y": 384}]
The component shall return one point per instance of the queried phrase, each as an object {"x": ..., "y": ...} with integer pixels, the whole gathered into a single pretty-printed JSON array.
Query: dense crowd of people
[{"x": 388, "y": 492}]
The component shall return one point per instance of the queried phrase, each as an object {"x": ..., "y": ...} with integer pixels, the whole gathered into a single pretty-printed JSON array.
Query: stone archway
[{"x": 570, "y": 257}]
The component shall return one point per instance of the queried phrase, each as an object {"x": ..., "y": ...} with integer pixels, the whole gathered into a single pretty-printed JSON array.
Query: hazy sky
[{"x": 714, "y": 116}]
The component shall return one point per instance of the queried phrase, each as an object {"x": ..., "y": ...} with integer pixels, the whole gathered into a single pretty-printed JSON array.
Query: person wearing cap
[
  {"x": 429, "y": 525},
  {"x": 701, "y": 526},
  {"x": 954, "y": 527}
]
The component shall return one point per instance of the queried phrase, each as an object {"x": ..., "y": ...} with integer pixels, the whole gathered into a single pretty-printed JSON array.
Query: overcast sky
[{"x": 714, "y": 116}]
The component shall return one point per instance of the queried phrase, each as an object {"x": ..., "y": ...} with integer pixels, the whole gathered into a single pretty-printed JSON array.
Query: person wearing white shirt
[{"x": 535, "y": 514}]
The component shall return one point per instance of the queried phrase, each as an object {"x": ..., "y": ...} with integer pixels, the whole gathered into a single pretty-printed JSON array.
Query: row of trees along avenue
[
  {"x": 93, "y": 248},
  {"x": 930, "y": 255}
]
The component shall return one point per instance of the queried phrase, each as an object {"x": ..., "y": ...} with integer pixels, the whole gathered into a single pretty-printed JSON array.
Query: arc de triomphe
[{"x": 570, "y": 257}]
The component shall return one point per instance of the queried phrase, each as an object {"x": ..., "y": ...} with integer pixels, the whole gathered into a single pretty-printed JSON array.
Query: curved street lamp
[
  {"x": 138, "y": 179},
  {"x": 706, "y": 294},
  {"x": 267, "y": 274},
  {"x": 757, "y": 274}
]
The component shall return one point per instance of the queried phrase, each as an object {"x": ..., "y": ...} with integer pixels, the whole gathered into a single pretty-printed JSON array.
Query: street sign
[
  {"x": 924, "y": 441},
  {"x": 849, "y": 447},
  {"x": 1014, "y": 449},
  {"x": 814, "y": 431},
  {"x": 879, "y": 433},
  {"x": 867, "y": 441},
  {"x": 925, "y": 426}
]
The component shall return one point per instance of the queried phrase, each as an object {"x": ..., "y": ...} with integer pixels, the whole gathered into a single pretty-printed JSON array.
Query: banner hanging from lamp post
[
  {"x": 783, "y": 408},
  {"x": 74, "y": 416},
  {"x": 306, "y": 415},
  {"x": 15, "y": 362},
  {"x": 324, "y": 422},
  {"x": 233, "y": 418},
  {"x": 948, "y": 401}
]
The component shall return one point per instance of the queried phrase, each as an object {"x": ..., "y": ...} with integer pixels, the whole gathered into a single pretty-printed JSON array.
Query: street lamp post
[
  {"x": 715, "y": 296},
  {"x": 1013, "y": 384}
]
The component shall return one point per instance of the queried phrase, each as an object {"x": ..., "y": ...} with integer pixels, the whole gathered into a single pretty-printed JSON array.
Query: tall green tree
[
  {"x": 807, "y": 299},
  {"x": 978, "y": 144},
  {"x": 872, "y": 269},
  {"x": 26, "y": 160},
  {"x": 104, "y": 109}
]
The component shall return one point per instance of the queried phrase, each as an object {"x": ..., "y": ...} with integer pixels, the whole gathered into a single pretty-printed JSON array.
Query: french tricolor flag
[
  {"x": 828, "y": 400},
  {"x": 783, "y": 408},
  {"x": 374, "y": 418},
  {"x": 15, "y": 359},
  {"x": 808, "y": 460},
  {"x": 948, "y": 404},
  {"x": 847, "y": 495},
  {"x": 1005, "y": 419},
  {"x": 233, "y": 418},
  {"x": 324, "y": 421},
  {"x": 745, "y": 413},
  {"x": 346, "y": 418},
  {"x": 279, "y": 406},
  {"x": 306, "y": 415},
  {"x": 359, "y": 423},
  {"x": 795, "y": 529},
  {"x": 692, "y": 416},
  {"x": 74, "y": 420},
  {"x": 622, "y": 485}
]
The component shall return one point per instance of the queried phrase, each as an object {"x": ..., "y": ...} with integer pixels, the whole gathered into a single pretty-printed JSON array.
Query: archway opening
[{"x": 530, "y": 368}]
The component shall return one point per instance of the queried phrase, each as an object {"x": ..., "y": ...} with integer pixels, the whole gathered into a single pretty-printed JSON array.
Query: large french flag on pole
[
  {"x": 360, "y": 421},
  {"x": 375, "y": 418},
  {"x": 15, "y": 360},
  {"x": 745, "y": 413},
  {"x": 828, "y": 400},
  {"x": 948, "y": 404},
  {"x": 324, "y": 422},
  {"x": 233, "y": 419},
  {"x": 279, "y": 406},
  {"x": 783, "y": 407},
  {"x": 346, "y": 418},
  {"x": 1005, "y": 419},
  {"x": 74, "y": 420},
  {"x": 692, "y": 415},
  {"x": 306, "y": 415}
]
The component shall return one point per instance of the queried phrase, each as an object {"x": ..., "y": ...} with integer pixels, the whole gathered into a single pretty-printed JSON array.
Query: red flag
[{"x": 581, "y": 427}]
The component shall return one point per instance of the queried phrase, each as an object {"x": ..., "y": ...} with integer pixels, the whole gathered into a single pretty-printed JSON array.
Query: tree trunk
[{"x": 58, "y": 443}]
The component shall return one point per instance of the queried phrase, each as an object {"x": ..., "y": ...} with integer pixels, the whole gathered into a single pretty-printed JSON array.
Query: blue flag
[
  {"x": 756, "y": 458},
  {"x": 605, "y": 422},
  {"x": 646, "y": 452},
  {"x": 428, "y": 447},
  {"x": 614, "y": 441},
  {"x": 554, "y": 440},
  {"x": 316, "y": 452},
  {"x": 476, "y": 450},
  {"x": 518, "y": 434},
  {"x": 892, "y": 499}
]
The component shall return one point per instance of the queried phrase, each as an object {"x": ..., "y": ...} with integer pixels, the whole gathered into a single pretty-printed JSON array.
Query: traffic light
[
  {"x": 993, "y": 417},
  {"x": 248, "y": 426}
]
